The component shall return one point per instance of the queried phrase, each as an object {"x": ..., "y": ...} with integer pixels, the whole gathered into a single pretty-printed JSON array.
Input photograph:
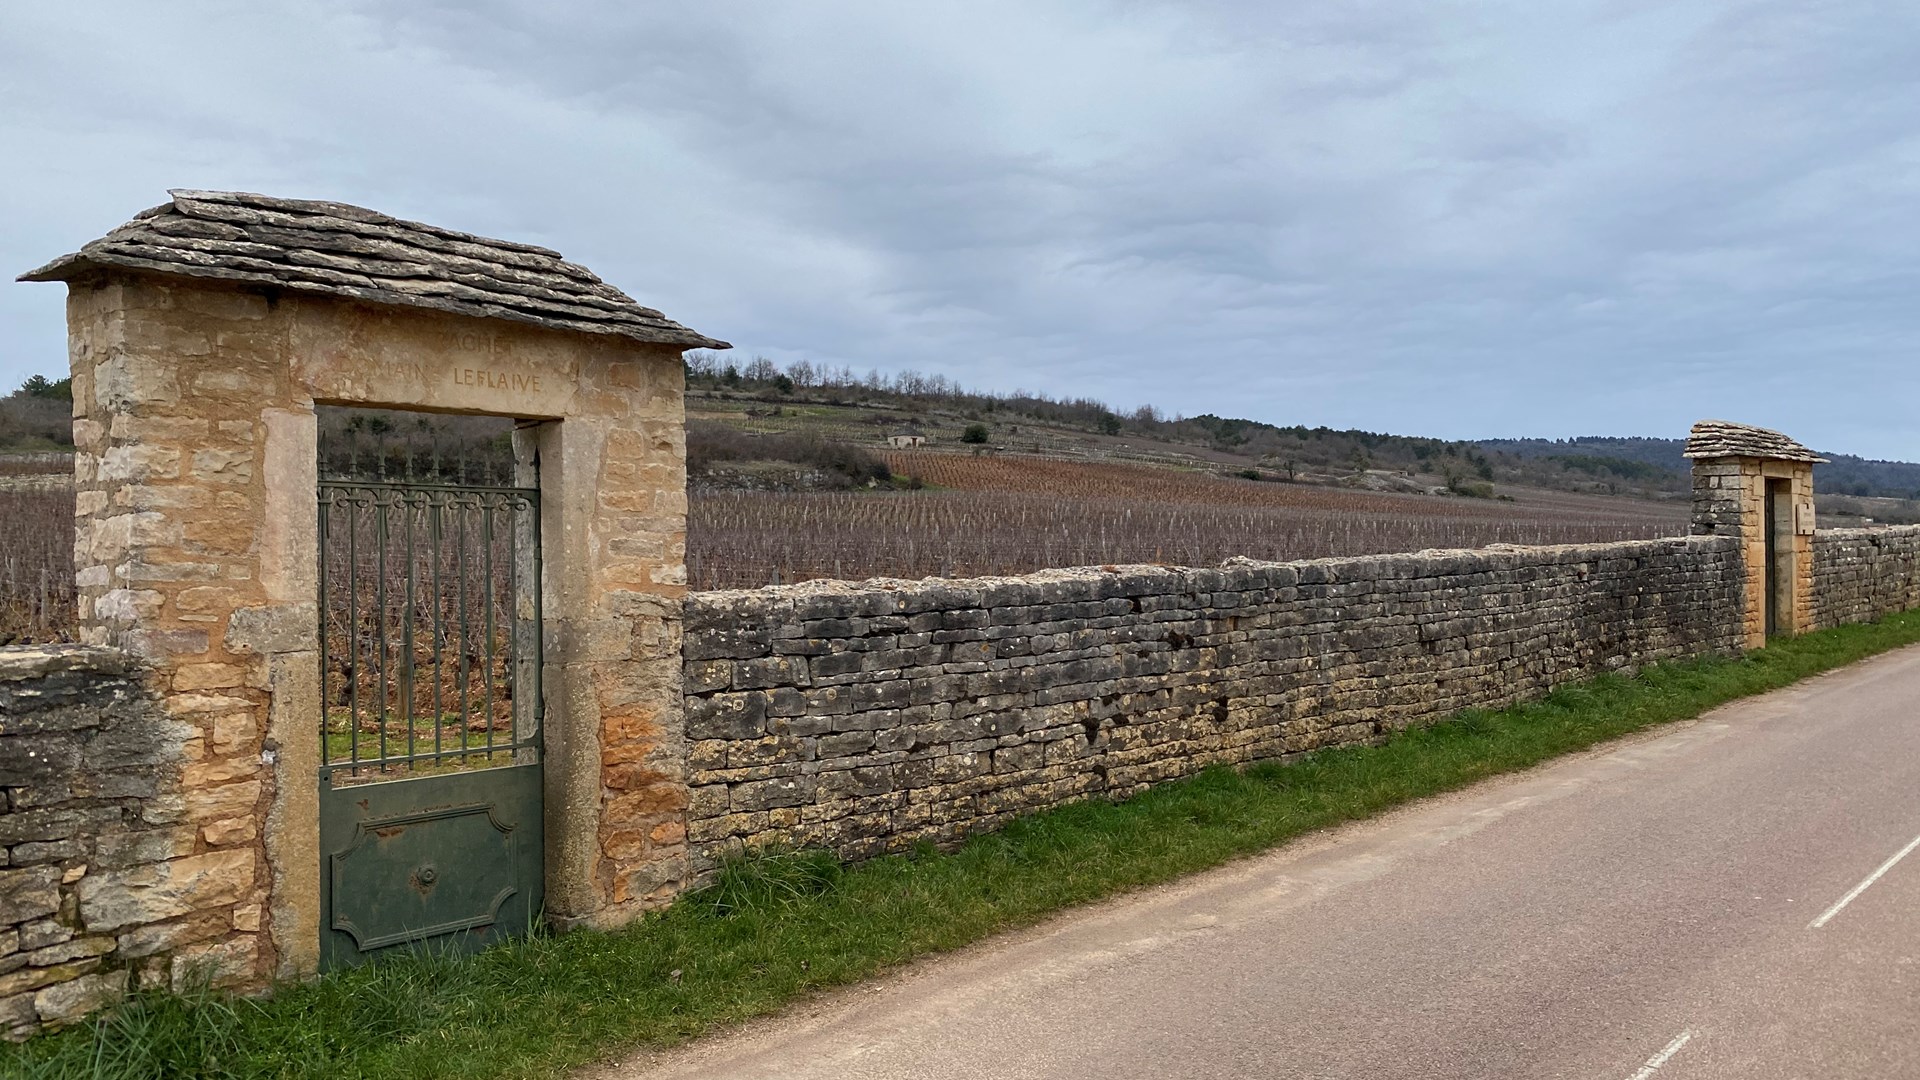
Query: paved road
[{"x": 1639, "y": 912}]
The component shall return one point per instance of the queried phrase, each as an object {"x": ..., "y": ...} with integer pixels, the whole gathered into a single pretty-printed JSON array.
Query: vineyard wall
[
  {"x": 866, "y": 717},
  {"x": 104, "y": 871},
  {"x": 1862, "y": 574}
]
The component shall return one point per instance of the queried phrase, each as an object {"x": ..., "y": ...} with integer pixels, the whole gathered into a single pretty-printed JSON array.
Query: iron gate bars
[{"x": 430, "y": 628}]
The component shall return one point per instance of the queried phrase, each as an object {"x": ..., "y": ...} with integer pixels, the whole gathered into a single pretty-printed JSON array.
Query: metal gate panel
[
  {"x": 453, "y": 860},
  {"x": 430, "y": 782}
]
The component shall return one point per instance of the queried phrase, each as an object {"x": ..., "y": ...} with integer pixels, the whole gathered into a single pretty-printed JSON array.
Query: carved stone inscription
[{"x": 511, "y": 381}]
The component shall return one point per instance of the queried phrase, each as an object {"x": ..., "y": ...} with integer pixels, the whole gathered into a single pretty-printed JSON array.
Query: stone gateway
[{"x": 203, "y": 334}]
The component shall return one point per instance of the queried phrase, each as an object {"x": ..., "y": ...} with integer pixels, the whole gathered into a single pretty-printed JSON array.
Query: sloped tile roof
[
  {"x": 1723, "y": 438},
  {"x": 342, "y": 250}
]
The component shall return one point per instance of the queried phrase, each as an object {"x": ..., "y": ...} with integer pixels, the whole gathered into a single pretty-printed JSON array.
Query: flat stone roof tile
[
  {"x": 1724, "y": 438},
  {"x": 337, "y": 249}
]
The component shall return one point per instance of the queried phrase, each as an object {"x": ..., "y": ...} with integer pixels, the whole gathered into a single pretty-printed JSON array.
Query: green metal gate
[{"x": 430, "y": 785}]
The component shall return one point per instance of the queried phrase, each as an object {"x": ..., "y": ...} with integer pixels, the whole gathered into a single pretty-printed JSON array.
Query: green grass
[
  {"x": 452, "y": 731},
  {"x": 780, "y": 925}
]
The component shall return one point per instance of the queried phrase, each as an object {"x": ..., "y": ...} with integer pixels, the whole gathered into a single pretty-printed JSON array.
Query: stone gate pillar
[
  {"x": 202, "y": 334},
  {"x": 1757, "y": 485}
]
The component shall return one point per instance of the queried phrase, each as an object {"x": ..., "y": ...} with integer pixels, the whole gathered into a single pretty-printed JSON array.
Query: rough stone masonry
[
  {"x": 103, "y": 870},
  {"x": 1862, "y": 574},
  {"x": 866, "y": 717}
]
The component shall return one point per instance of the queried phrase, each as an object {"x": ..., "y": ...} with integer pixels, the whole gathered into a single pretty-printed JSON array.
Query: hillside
[
  {"x": 37, "y": 417},
  {"x": 837, "y": 405},
  {"x": 1844, "y": 474},
  {"x": 865, "y": 410}
]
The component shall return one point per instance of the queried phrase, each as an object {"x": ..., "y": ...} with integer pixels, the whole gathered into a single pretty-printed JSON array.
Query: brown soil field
[{"x": 1029, "y": 475}]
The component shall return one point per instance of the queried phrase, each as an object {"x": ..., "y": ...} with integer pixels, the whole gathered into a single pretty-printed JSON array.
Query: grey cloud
[{"x": 1451, "y": 218}]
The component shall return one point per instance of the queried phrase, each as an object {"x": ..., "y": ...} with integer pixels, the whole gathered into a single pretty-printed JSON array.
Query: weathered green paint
[
  {"x": 431, "y": 798},
  {"x": 450, "y": 861}
]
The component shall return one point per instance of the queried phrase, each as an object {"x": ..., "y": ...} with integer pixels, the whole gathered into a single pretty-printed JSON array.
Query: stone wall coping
[
  {"x": 1867, "y": 532},
  {"x": 21, "y": 662},
  {"x": 906, "y": 595}
]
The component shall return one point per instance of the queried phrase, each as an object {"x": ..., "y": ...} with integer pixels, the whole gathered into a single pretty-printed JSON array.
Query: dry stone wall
[
  {"x": 1863, "y": 574},
  {"x": 105, "y": 880},
  {"x": 866, "y": 717}
]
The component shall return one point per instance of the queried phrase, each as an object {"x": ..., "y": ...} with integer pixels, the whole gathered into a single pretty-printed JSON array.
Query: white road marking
[
  {"x": 1653, "y": 1063},
  {"x": 1862, "y": 887}
]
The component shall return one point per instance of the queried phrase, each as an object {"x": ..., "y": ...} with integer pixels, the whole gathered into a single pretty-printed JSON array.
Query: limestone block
[
  {"x": 126, "y": 607},
  {"x": 225, "y": 800},
  {"x": 33, "y": 978},
  {"x": 223, "y": 964},
  {"x": 164, "y": 937},
  {"x": 705, "y": 676},
  {"x": 727, "y": 716},
  {"x": 641, "y": 802},
  {"x": 28, "y": 893},
  {"x": 207, "y": 783},
  {"x": 139, "y": 463},
  {"x": 765, "y": 794},
  {"x": 111, "y": 899},
  {"x": 65, "y": 1002},
  {"x": 29, "y": 854},
  {"x": 230, "y": 467},
  {"x": 128, "y": 382},
  {"x": 769, "y": 671},
  {"x": 162, "y": 646},
  {"x": 234, "y": 732},
  {"x": 230, "y": 831},
  {"x": 18, "y": 1018},
  {"x": 653, "y": 881},
  {"x": 190, "y": 677},
  {"x": 123, "y": 849},
  {"x": 220, "y": 535},
  {"x": 78, "y": 948},
  {"x": 30, "y": 760}
]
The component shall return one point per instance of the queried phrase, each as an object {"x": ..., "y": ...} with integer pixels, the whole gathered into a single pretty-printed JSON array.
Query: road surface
[{"x": 1718, "y": 899}]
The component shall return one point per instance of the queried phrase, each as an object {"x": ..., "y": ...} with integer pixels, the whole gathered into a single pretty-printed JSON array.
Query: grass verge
[{"x": 777, "y": 926}]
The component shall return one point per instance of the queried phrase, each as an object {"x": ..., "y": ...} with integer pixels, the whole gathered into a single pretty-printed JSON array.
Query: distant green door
[
  {"x": 430, "y": 781},
  {"x": 1771, "y": 578}
]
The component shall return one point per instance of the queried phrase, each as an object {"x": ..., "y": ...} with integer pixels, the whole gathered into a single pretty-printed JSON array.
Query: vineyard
[
  {"x": 425, "y": 647},
  {"x": 1004, "y": 514},
  {"x": 36, "y": 548},
  {"x": 1017, "y": 474},
  {"x": 986, "y": 514}
]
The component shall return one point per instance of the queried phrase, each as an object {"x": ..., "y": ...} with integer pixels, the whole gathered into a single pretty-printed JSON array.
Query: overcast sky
[{"x": 1424, "y": 217}]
